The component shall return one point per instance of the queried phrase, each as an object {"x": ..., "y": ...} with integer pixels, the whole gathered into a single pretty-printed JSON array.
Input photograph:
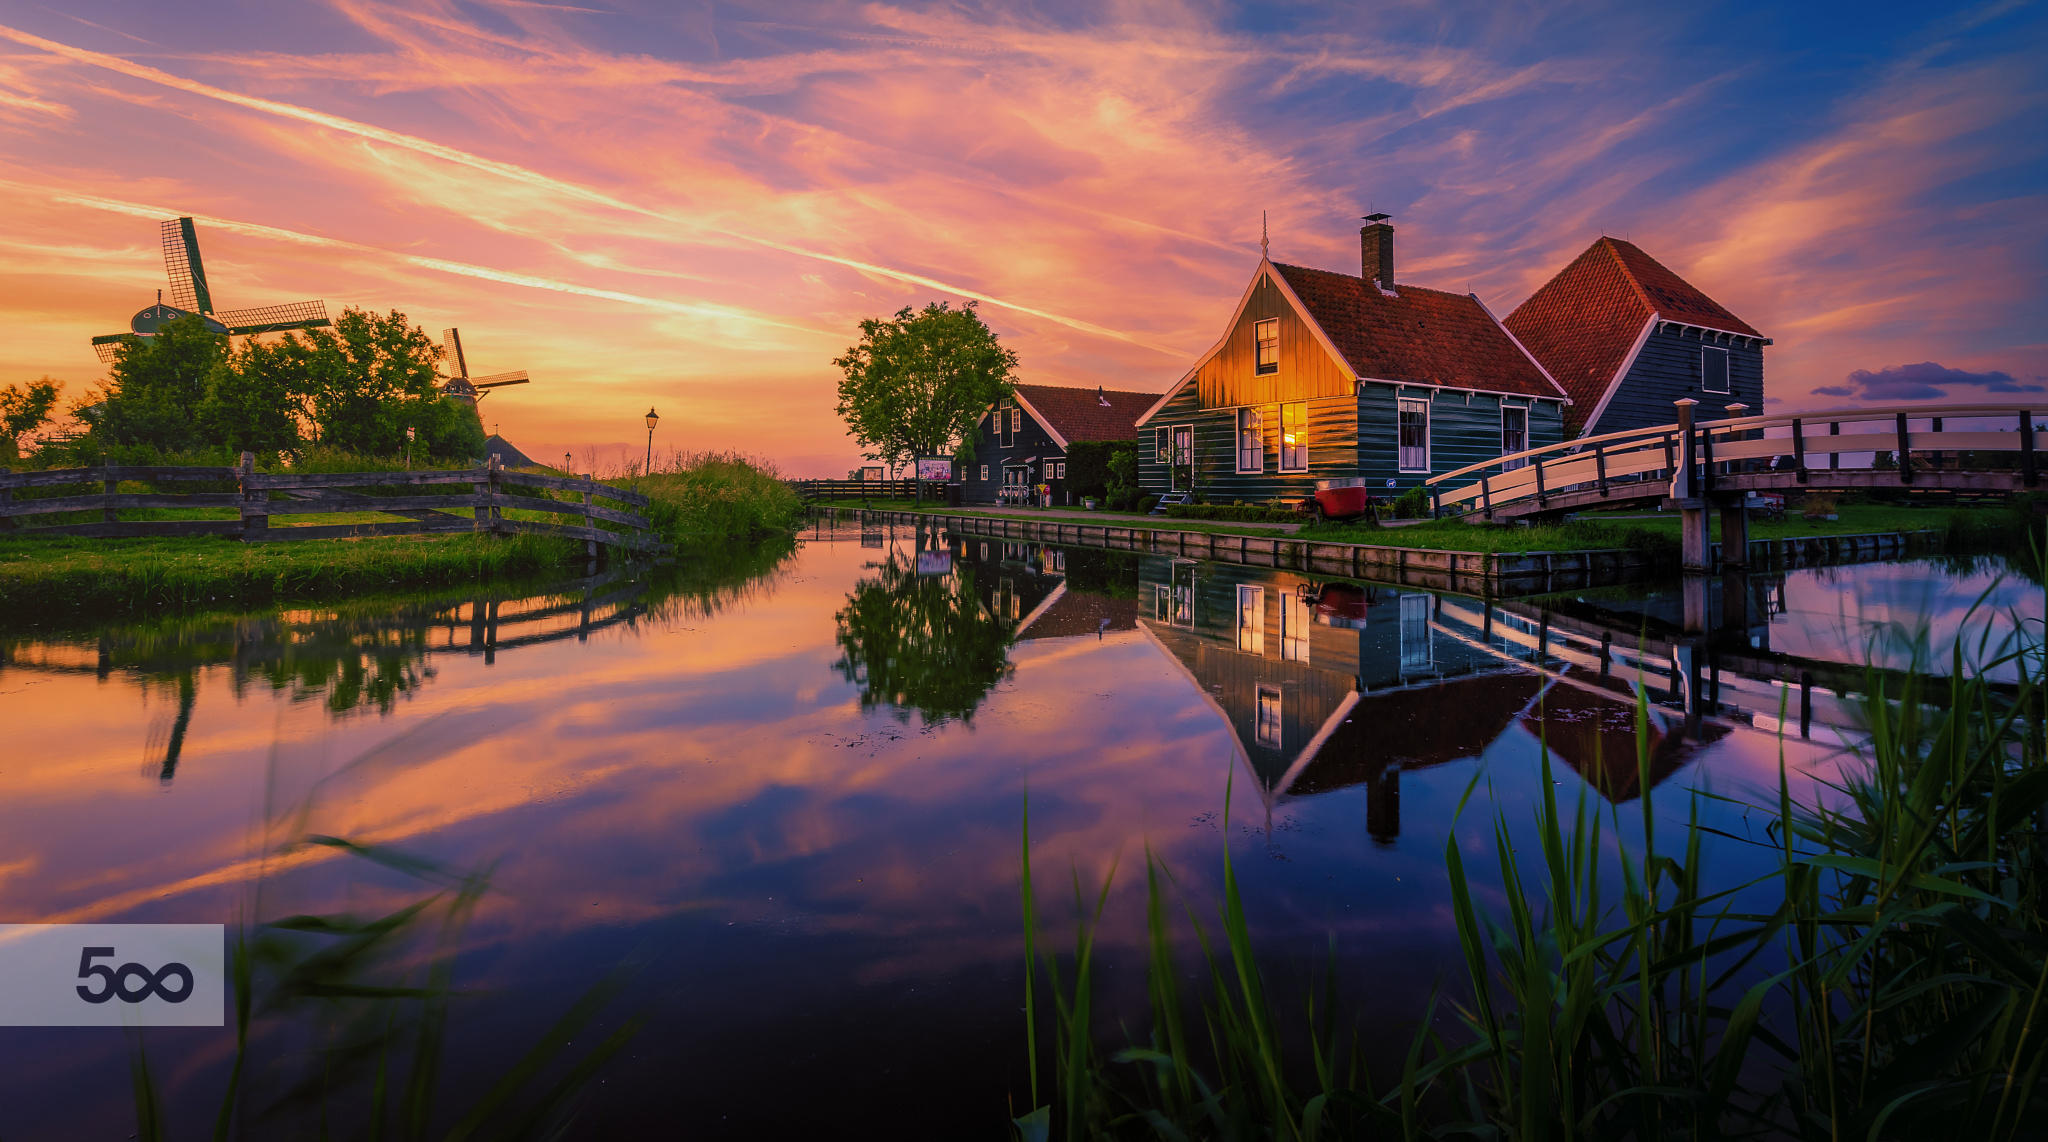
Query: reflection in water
[{"x": 721, "y": 786}]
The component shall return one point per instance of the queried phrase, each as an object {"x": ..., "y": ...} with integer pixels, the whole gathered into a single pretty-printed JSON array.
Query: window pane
[
  {"x": 1514, "y": 434},
  {"x": 1416, "y": 650},
  {"x": 1294, "y": 438},
  {"x": 1251, "y": 619},
  {"x": 1267, "y": 728},
  {"x": 1266, "y": 338},
  {"x": 1251, "y": 450},
  {"x": 1714, "y": 370},
  {"x": 1414, "y": 435}
]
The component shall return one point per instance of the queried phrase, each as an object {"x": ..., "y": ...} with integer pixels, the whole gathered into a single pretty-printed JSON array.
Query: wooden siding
[
  {"x": 1306, "y": 368},
  {"x": 1464, "y": 428},
  {"x": 1669, "y": 368},
  {"x": 1332, "y": 433},
  {"x": 1032, "y": 440}
]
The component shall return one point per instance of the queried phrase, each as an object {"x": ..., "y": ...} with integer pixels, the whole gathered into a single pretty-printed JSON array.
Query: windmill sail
[
  {"x": 451, "y": 353},
  {"x": 275, "y": 318},
  {"x": 500, "y": 380},
  {"x": 181, "y": 261}
]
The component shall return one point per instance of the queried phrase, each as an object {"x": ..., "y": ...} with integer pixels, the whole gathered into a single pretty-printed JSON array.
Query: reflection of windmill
[
  {"x": 458, "y": 383},
  {"x": 190, "y": 295}
]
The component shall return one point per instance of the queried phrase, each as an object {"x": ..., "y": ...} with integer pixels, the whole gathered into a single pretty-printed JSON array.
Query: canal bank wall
[{"x": 1480, "y": 572}]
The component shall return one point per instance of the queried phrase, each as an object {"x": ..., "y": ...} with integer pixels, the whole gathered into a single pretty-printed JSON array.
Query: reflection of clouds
[{"x": 1839, "y": 614}]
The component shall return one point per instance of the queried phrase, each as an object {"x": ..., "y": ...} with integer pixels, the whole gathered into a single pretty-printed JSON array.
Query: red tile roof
[
  {"x": 1080, "y": 414},
  {"x": 1583, "y": 322},
  {"x": 1424, "y": 336}
]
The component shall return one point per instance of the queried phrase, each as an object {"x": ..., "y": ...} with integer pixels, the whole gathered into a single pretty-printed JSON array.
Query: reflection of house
[
  {"x": 1596, "y": 735},
  {"x": 1026, "y": 584}
]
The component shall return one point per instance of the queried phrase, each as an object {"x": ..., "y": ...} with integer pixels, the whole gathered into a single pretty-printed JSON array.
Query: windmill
[
  {"x": 190, "y": 295},
  {"x": 456, "y": 380}
]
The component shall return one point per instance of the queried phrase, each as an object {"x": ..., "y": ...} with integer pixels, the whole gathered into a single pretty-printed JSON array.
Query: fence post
[
  {"x": 1683, "y": 476},
  {"x": 1600, "y": 466},
  {"x": 110, "y": 486},
  {"x": 1835, "y": 457},
  {"x": 6, "y": 498},
  {"x": 1799, "y": 450},
  {"x": 2027, "y": 471},
  {"x": 482, "y": 489},
  {"x": 255, "y": 500},
  {"x": 1905, "y": 455},
  {"x": 589, "y": 545},
  {"x": 497, "y": 512}
]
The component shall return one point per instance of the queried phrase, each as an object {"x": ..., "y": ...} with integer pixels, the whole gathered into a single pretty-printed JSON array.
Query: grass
[
  {"x": 60, "y": 579},
  {"x": 1454, "y": 535},
  {"x": 717, "y": 497},
  {"x": 1886, "y": 977}
]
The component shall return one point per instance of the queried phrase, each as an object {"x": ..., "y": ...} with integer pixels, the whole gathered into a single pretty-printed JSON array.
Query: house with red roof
[
  {"x": 1022, "y": 442},
  {"x": 1626, "y": 337},
  {"x": 1321, "y": 374}
]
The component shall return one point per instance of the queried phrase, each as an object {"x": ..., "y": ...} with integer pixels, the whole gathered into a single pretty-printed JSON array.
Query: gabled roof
[
  {"x": 1072, "y": 414},
  {"x": 1420, "y": 336},
  {"x": 1587, "y": 323}
]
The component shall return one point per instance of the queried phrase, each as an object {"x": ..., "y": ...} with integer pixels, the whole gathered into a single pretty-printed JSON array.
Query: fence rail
[
  {"x": 482, "y": 498},
  {"x": 1755, "y": 453},
  {"x": 855, "y": 489}
]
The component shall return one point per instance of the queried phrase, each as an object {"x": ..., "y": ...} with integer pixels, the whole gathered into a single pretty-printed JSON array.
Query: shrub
[
  {"x": 1412, "y": 504},
  {"x": 1240, "y": 512},
  {"x": 712, "y": 497}
]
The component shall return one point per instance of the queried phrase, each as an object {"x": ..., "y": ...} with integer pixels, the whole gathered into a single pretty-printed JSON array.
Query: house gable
[{"x": 1225, "y": 377}]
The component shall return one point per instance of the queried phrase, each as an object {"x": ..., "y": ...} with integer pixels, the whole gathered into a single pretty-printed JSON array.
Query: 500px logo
[
  {"x": 112, "y": 975},
  {"x": 117, "y": 979}
]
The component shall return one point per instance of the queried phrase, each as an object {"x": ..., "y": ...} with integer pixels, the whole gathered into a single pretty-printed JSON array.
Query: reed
[
  {"x": 1885, "y": 978},
  {"x": 708, "y": 498}
]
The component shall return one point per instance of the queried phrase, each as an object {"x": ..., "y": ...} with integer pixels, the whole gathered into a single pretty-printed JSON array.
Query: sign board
[
  {"x": 870, "y": 472},
  {"x": 938, "y": 562},
  {"x": 935, "y": 469}
]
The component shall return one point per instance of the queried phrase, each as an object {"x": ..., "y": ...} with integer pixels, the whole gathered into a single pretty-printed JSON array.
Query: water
[{"x": 784, "y": 814}]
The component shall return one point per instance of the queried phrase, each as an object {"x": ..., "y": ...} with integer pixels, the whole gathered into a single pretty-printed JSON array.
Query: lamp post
[
  {"x": 565, "y": 465},
  {"x": 651, "y": 419}
]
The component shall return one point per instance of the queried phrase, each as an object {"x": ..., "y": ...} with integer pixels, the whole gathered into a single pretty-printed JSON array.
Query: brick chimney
[{"x": 1376, "y": 250}]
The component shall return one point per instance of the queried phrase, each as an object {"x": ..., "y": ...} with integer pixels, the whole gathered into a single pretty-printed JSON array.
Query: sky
[{"x": 692, "y": 206}]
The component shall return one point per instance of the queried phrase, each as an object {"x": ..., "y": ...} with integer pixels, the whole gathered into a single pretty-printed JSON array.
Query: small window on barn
[
  {"x": 1414, "y": 434},
  {"x": 1016, "y": 421},
  {"x": 1162, "y": 446},
  {"x": 1514, "y": 434},
  {"x": 1251, "y": 449},
  {"x": 1713, "y": 369},
  {"x": 1294, "y": 438},
  {"x": 984, "y": 473},
  {"x": 1266, "y": 338}
]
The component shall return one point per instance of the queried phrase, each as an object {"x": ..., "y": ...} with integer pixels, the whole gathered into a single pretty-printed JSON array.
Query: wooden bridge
[
  {"x": 1715, "y": 465},
  {"x": 241, "y": 501}
]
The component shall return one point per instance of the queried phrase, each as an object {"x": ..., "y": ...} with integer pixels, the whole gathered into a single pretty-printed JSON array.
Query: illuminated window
[
  {"x": 1267, "y": 728},
  {"x": 1251, "y": 450},
  {"x": 984, "y": 473},
  {"x": 1294, "y": 623},
  {"x": 1266, "y": 337},
  {"x": 1251, "y": 619},
  {"x": 1414, "y": 434},
  {"x": 1294, "y": 438},
  {"x": 1162, "y": 446},
  {"x": 1713, "y": 370}
]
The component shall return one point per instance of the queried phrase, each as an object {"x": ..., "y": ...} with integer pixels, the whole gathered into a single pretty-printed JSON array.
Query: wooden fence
[
  {"x": 479, "y": 501},
  {"x": 855, "y": 489}
]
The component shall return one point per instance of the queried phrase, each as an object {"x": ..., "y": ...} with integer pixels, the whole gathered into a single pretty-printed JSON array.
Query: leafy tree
[
  {"x": 256, "y": 402},
  {"x": 922, "y": 642},
  {"x": 156, "y": 386},
  {"x": 917, "y": 382},
  {"x": 369, "y": 379},
  {"x": 23, "y": 410}
]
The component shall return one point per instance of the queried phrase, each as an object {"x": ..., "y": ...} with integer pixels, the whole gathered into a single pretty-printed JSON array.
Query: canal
[{"x": 772, "y": 827}]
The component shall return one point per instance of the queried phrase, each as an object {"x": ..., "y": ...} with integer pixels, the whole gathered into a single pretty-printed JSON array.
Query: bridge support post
[
  {"x": 1695, "y": 546},
  {"x": 1699, "y": 604},
  {"x": 1735, "y": 532}
]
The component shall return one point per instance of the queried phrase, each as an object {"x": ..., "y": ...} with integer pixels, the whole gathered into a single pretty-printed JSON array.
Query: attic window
[
  {"x": 1266, "y": 335},
  {"x": 1713, "y": 370}
]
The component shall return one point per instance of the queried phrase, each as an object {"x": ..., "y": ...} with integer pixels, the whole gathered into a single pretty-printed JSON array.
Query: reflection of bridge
[{"x": 1715, "y": 465}]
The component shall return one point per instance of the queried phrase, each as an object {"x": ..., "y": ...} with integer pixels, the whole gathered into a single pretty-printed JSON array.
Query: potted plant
[{"x": 1088, "y": 503}]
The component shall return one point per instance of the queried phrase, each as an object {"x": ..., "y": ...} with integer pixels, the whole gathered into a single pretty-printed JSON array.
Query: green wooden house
[{"x": 1321, "y": 375}]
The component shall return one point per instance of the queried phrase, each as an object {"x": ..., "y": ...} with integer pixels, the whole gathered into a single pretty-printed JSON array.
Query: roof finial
[{"x": 1262, "y": 234}]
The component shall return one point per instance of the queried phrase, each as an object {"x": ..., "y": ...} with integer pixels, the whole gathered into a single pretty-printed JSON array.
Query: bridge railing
[{"x": 1796, "y": 444}]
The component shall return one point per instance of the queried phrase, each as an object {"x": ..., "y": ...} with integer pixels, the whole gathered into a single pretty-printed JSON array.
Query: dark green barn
[{"x": 1322, "y": 374}]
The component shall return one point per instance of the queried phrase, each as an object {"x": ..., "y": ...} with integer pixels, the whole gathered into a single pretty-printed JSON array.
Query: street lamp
[
  {"x": 651, "y": 419},
  {"x": 565, "y": 465}
]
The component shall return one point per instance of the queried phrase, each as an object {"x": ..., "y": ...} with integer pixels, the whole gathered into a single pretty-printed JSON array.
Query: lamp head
[{"x": 651, "y": 418}]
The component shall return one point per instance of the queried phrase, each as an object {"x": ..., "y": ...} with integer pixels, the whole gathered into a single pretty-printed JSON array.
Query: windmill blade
[
  {"x": 500, "y": 380},
  {"x": 181, "y": 262},
  {"x": 451, "y": 352},
  {"x": 275, "y": 318},
  {"x": 108, "y": 345}
]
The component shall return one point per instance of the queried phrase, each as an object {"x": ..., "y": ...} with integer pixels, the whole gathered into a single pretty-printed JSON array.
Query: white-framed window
[
  {"x": 1251, "y": 619},
  {"x": 1267, "y": 723},
  {"x": 1184, "y": 444},
  {"x": 1266, "y": 346},
  {"x": 1183, "y": 595},
  {"x": 1016, "y": 422},
  {"x": 1162, "y": 446},
  {"x": 1162, "y": 603},
  {"x": 984, "y": 473},
  {"x": 1713, "y": 369},
  {"x": 1514, "y": 434},
  {"x": 1295, "y": 618},
  {"x": 1251, "y": 448},
  {"x": 1413, "y": 431},
  {"x": 1418, "y": 655},
  {"x": 1059, "y": 469},
  {"x": 1294, "y": 438}
]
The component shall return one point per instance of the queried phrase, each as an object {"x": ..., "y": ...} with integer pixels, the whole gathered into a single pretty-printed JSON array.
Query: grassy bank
[
  {"x": 715, "y": 497},
  {"x": 1885, "y": 977},
  {"x": 65, "y": 579}
]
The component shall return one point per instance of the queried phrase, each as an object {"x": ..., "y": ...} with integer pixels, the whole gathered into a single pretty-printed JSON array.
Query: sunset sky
[{"x": 692, "y": 206}]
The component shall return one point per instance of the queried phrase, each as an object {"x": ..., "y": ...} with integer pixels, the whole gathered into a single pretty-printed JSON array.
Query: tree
[
  {"x": 369, "y": 379},
  {"x": 156, "y": 386},
  {"x": 256, "y": 402},
  {"x": 23, "y": 410},
  {"x": 918, "y": 382},
  {"x": 922, "y": 642}
]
